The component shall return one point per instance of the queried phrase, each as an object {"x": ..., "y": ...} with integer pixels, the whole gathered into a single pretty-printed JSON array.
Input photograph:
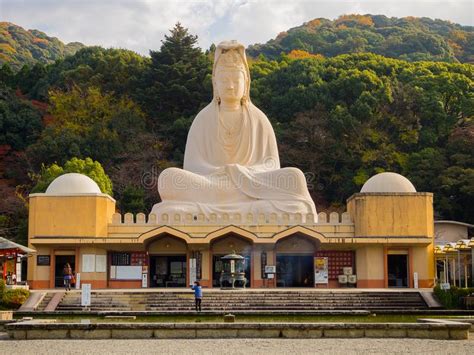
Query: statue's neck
[{"x": 230, "y": 106}]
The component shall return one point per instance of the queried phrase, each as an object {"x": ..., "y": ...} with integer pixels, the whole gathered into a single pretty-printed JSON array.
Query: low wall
[{"x": 37, "y": 330}]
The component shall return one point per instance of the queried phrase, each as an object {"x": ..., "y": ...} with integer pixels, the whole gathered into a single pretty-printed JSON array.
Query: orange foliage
[
  {"x": 282, "y": 35},
  {"x": 40, "y": 40},
  {"x": 7, "y": 48},
  {"x": 48, "y": 119},
  {"x": 359, "y": 19},
  {"x": 300, "y": 54},
  {"x": 314, "y": 23},
  {"x": 458, "y": 36},
  {"x": 43, "y": 106}
]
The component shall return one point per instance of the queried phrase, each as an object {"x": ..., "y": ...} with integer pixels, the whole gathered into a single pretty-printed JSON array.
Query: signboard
[
  {"x": 43, "y": 260},
  {"x": 232, "y": 266},
  {"x": 415, "y": 280},
  {"x": 144, "y": 280},
  {"x": 321, "y": 270},
  {"x": 270, "y": 269},
  {"x": 192, "y": 271},
  {"x": 445, "y": 286},
  {"x": 86, "y": 295},
  {"x": 78, "y": 281},
  {"x": 18, "y": 271}
]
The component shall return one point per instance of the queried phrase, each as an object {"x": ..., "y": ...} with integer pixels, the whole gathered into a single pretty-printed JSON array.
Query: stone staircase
[
  {"x": 45, "y": 301},
  {"x": 259, "y": 301}
]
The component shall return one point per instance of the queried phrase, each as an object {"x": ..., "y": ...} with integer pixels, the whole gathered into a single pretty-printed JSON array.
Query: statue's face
[{"x": 230, "y": 85}]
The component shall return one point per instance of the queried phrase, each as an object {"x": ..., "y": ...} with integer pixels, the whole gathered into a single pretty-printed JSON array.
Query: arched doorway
[
  {"x": 168, "y": 261},
  {"x": 295, "y": 261},
  {"x": 227, "y": 244}
]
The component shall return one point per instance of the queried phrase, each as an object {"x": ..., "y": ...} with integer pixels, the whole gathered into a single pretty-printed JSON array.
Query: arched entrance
[
  {"x": 168, "y": 257},
  {"x": 295, "y": 261},
  {"x": 227, "y": 244}
]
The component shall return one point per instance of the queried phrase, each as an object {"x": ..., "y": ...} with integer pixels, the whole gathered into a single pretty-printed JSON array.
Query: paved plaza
[{"x": 238, "y": 346}]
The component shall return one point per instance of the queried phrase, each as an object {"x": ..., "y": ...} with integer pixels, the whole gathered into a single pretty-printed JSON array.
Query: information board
[
  {"x": 86, "y": 295},
  {"x": 321, "y": 270},
  {"x": 128, "y": 273},
  {"x": 270, "y": 269},
  {"x": 43, "y": 260},
  {"x": 100, "y": 263},
  {"x": 192, "y": 271},
  {"x": 88, "y": 263}
]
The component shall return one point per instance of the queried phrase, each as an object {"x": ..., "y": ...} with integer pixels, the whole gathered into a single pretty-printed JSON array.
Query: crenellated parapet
[{"x": 224, "y": 219}]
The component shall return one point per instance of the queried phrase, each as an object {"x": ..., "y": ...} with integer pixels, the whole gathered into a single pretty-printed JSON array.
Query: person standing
[
  {"x": 67, "y": 274},
  {"x": 197, "y": 295}
]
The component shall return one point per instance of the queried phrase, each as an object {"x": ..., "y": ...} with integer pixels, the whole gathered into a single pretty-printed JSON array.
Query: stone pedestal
[{"x": 6, "y": 315}]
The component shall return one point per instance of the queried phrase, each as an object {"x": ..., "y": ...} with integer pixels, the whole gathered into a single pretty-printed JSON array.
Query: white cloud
[{"x": 140, "y": 25}]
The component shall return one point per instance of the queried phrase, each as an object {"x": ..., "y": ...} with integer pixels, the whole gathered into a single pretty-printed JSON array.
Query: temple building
[
  {"x": 385, "y": 239},
  {"x": 233, "y": 197}
]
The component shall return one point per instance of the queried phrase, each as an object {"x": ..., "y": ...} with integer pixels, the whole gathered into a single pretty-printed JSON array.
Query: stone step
[{"x": 245, "y": 300}]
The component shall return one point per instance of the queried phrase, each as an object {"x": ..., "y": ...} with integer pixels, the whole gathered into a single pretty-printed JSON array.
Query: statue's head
[{"x": 230, "y": 74}]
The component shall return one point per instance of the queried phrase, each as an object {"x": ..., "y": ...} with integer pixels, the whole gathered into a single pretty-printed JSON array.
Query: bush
[
  {"x": 14, "y": 298},
  {"x": 2, "y": 289},
  {"x": 452, "y": 298}
]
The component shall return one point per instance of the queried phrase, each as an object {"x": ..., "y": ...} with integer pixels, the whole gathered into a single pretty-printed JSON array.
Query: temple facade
[
  {"x": 232, "y": 196},
  {"x": 384, "y": 239}
]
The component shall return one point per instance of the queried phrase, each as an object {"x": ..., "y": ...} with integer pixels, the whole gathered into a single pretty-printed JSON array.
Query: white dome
[
  {"x": 388, "y": 182},
  {"x": 73, "y": 183}
]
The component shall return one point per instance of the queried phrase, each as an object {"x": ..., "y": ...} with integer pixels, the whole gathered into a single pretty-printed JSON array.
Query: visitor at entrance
[
  {"x": 67, "y": 273},
  {"x": 197, "y": 295}
]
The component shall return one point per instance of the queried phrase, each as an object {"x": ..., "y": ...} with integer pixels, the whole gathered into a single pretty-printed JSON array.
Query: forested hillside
[
  {"x": 408, "y": 38},
  {"x": 339, "y": 119},
  {"x": 19, "y": 47}
]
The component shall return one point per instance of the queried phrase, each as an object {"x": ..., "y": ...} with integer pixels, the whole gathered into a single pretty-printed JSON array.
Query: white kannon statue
[{"x": 231, "y": 162}]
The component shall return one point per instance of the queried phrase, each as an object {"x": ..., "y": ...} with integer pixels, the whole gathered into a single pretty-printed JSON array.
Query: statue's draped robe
[{"x": 232, "y": 173}]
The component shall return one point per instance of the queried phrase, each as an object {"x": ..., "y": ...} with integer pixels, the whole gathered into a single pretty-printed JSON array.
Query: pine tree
[{"x": 178, "y": 80}]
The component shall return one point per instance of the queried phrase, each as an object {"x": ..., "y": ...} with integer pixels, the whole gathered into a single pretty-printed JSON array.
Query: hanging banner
[{"x": 321, "y": 270}]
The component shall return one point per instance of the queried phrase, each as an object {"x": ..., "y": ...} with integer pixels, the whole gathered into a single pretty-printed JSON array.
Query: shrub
[
  {"x": 452, "y": 298},
  {"x": 14, "y": 298},
  {"x": 2, "y": 289}
]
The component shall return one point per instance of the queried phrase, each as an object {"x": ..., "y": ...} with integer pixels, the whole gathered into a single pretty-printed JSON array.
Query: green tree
[
  {"x": 177, "y": 83},
  {"x": 88, "y": 123},
  {"x": 87, "y": 166},
  {"x": 132, "y": 200},
  {"x": 20, "y": 121}
]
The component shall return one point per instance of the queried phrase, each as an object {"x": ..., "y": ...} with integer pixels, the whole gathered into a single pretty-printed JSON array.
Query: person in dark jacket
[{"x": 197, "y": 295}]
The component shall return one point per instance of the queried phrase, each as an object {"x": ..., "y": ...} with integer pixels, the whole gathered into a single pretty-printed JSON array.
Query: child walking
[{"x": 197, "y": 295}]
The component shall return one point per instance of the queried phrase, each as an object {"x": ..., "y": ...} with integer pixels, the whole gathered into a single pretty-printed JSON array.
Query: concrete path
[{"x": 239, "y": 346}]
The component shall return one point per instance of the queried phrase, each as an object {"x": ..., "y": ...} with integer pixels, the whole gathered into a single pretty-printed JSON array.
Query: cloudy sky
[{"x": 140, "y": 25}]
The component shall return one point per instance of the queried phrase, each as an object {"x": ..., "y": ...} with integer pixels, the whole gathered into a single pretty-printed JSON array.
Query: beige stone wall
[
  {"x": 167, "y": 245},
  {"x": 229, "y": 244},
  {"x": 40, "y": 273},
  {"x": 370, "y": 264},
  {"x": 295, "y": 245},
  {"x": 81, "y": 216},
  {"x": 392, "y": 215},
  {"x": 424, "y": 264}
]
